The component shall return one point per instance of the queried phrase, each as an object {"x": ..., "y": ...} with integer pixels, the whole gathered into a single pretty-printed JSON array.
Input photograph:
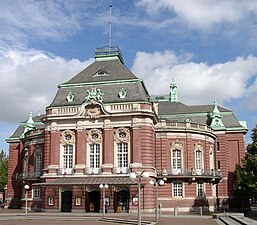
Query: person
[{"x": 106, "y": 205}]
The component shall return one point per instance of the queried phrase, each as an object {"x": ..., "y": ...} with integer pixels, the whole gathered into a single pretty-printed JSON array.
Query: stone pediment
[{"x": 92, "y": 109}]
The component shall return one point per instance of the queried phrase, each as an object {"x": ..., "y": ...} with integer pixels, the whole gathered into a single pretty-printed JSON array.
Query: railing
[
  {"x": 189, "y": 172},
  {"x": 88, "y": 171},
  {"x": 119, "y": 170},
  {"x": 188, "y": 125},
  {"x": 108, "y": 50},
  {"x": 33, "y": 175}
]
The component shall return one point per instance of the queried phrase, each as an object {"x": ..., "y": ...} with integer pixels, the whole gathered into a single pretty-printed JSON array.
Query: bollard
[
  {"x": 201, "y": 210},
  {"x": 175, "y": 211},
  {"x": 160, "y": 207}
]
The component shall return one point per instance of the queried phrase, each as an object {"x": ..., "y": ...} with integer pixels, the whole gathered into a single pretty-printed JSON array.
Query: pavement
[{"x": 18, "y": 217}]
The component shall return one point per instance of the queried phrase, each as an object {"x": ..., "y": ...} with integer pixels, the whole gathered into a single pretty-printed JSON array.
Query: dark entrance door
[
  {"x": 66, "y": 201},
  {"x": 93, "y": 201},
  {"x": 121, "y": 200}
]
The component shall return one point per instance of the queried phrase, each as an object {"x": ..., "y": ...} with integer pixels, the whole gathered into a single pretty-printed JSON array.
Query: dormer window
[{"x": 101, "y": 73}]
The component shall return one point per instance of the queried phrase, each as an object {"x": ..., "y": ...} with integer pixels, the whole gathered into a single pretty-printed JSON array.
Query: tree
[
  {"x": 246, "y": 173},
  {"x": 3, "y": 170}
]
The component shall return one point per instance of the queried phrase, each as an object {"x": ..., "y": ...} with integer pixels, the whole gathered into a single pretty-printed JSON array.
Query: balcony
[
  {"x": 193, "y": 174},
  {"x": 28, "y": 176}
]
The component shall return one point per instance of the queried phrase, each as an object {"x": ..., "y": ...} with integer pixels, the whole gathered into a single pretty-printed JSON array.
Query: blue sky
[{"x": 208, "y": 46}]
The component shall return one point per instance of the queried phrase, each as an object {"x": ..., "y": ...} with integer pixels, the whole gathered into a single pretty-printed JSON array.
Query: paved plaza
[{"x": 17, "y": 217}]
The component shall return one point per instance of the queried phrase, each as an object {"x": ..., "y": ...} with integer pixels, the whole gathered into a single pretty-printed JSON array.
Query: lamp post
[
  {"x": 139, "y": 176},
  {"x": 242, "y": 197},
  {"x": 156, "y": 183},
  {"x": 26, "y": 187},
  {"x": 103, "y": 186}
]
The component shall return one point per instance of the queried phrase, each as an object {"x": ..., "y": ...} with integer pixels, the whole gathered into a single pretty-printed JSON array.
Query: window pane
[
  {"x": 198, "y": 159},
  {"x": 122, "y": 155},
  {"x": 38, "y": 163},
  {"x": 176, "y": 159},
  {"x": 200, "y": 191},
  {"x": 177, "y": 189},
  {"x": 94, "y": 156},
  {"x": 36, "y": 192},
  {"x": 67, "y": 156}
]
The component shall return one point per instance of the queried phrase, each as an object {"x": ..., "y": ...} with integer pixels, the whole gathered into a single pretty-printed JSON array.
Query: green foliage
[
  {"x": 3, "y": 170},
  {"x": 246, "y": 173},
  {"x": 252, "y": 148}
]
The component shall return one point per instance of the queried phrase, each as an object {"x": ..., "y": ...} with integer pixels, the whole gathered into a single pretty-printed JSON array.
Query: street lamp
[
  {"x": 103, "y": 186},
  {"x": 156, "y": 183},
  {"x": 133, "y": 176},
  {"x": 241, "y": 189},
  {"x": 26, "y": 187}
]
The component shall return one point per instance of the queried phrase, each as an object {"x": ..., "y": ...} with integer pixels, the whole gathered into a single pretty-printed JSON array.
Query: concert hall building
[{"x": 102, "y": 126}]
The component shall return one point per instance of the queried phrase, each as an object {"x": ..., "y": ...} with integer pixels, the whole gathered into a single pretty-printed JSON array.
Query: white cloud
[
  {"x": 198, "y": 83},
  {"x": 29, "y": 81},
  {"x": 203, "y": 14},
  {"x": 25, "y": 20}
]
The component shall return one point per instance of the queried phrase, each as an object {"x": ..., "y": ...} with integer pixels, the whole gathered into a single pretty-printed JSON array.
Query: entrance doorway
[
  {"x": 93, "y": 203},
  {"x": 121, "y": 199},
  {"x": 66, "y": 205}
]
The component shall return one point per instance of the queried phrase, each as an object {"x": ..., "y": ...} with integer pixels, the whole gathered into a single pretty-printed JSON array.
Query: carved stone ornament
[
  {"x": 67, "y": 137},
  {"x": 92, "y": 111},
  {"x": 94, "y": 136},
  {"x": 70, "y": 97},
  {"x": 90, "y": 188},
  {"x": 66, "y": 188},
  {"x": 95, "y": 94},
  {"x": 122, "y": 135},
  {"x": 176, "y": 145},
  {"x": 122, "y": 93},
  {"x": 120, "y": 188},
  {"x": 199, "y": 146}
]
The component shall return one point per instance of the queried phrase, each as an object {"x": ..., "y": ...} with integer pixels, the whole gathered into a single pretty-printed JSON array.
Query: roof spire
[
  {"x": 216, "y": 121},
  {"x": 30, "y": 125},
  {"x": 173, "y": 91},
  {"x": 110, "y": 26}
]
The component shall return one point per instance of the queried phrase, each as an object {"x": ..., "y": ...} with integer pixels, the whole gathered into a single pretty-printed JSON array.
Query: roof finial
[{"x": 110, "y": 26}]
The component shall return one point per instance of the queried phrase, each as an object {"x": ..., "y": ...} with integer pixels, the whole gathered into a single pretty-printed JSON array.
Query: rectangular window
[
  {"x": 198, "y": 160},
  {"x": 122, "y": 155},
  {"x": 67, "y": 156},
  {"x": 200, "y": 190},
  {"x": 38, "y": 163},
  {"x": 176, "y": 159},
  {"x": 177, "y": 189},
  {"x": 94, "y": 155},
  {"x": 36, "y": 192}
]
